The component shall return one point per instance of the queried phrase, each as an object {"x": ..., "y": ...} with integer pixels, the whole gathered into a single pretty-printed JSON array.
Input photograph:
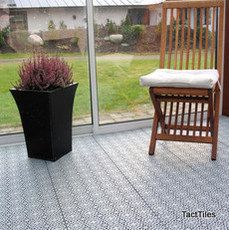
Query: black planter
[{"x": 47, "y": 121}]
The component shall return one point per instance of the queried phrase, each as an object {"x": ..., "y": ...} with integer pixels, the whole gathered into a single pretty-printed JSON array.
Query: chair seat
[{"x": 203, "y": 79}]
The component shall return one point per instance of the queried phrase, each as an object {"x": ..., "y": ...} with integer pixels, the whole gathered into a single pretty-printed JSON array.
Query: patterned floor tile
[
  {"x": 27, "y": 198},
  {"x": 110, "y": 182},
  {"x": 94, "y": 194},
  {"x": 169, "y": 183}
]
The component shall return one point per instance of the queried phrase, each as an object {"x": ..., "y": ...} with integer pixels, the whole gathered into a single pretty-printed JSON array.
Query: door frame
[{"x": 225, "y": 108}]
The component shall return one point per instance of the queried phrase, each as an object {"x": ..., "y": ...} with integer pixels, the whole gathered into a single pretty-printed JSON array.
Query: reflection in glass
[
  {"x": 63, "y": 30},
  {"x": 127, "y": 46}
]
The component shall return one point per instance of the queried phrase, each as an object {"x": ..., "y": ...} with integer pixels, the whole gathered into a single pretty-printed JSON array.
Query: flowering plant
[{"x": 42, "y": 72}]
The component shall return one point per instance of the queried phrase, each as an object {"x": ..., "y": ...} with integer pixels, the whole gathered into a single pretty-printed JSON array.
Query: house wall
[
  {"x": 38, "y": 19},
  {"x": 4, "y": 18},
  {"x": 116, "y": 14},
  {"x": 155, "y": 15}
]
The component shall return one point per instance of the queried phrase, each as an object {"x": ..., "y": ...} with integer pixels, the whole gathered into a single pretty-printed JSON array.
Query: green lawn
[
  {"x": 26, "y": 55},
  {"x": 118, "y": 86}
]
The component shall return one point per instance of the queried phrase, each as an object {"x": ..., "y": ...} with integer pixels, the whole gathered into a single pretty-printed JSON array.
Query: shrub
[
  {"x": 111, "y": 27},
  {"x": 74, "y": 41},
  {"x": 131, "y": 32},
  {"x": 126, "y": 22},
  {"x": 4, "y": 33},
  {"x": 42, "y": 72},
  {"x": 137, "y": 30},
  {"x": 63, "y": 26},
  {"x": 51, "y": 25},
  {"x": 2, "y": 40}
]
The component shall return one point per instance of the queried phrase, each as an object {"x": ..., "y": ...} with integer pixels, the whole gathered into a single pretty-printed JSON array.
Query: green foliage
[
  {"x": 4, "y": 33},
  {"x": 118, "y": 86},
  {"x": 126, "y": 22},
  {"x": 158, "y": 28},
  {"x": 204, "y": 32},
  {"x": 111, "y": 27},
  {"x": 130, "y": 32},
  {"x": 2, "y": 40},
  {"x": 137, "y": 30},
  {"x": 62, "y": 26},
  {"x": 74, "y": 41},
  {"x": 51, "y": 25}
]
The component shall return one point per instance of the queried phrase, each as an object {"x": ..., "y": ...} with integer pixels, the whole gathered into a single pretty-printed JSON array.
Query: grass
[
  {"x": 26, "y": 55},
  {"x": 65, "y": 54},
  {"x": 118, "y": 86}
]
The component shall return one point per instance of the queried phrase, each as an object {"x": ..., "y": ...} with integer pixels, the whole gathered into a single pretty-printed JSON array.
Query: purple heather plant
[{"x": 42, "y": 72}]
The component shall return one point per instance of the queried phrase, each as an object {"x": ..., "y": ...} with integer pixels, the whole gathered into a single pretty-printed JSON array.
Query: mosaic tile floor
[{"x": 110, "y": 182}]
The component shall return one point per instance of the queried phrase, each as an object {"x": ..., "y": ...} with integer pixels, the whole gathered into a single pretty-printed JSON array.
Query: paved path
[
  {"x": 110, "y": 57},
  {"x": 139, "y": 112}
]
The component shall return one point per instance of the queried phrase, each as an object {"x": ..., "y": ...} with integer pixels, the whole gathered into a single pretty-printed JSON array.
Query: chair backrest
[{"x": 188, "y": 34}]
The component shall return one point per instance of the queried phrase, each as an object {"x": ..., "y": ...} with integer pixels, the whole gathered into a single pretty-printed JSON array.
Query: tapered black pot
[{"x": 47, "y": 121}]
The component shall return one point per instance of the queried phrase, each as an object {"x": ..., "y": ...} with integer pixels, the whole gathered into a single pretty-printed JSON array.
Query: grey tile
[
  {"x": 95, "y": 194},
  {"x": 167, "y": 183},
  {"x": 110, "y": 182},
  {"x": 27, "y": 199}
]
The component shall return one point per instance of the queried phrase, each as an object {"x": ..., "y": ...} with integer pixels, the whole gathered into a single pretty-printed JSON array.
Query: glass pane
[
  {"x": 63, "y": 30},
  {"x": 127, "y": 47}
]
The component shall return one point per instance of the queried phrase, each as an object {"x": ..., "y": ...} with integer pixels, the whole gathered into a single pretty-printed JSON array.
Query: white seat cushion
[{"x": 181, "y": 78}]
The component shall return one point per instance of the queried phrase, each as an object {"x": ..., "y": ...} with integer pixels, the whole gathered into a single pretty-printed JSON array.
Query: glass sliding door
[
  {"x": 127, "y": 41},
  {"x": 64, "y": 32}
]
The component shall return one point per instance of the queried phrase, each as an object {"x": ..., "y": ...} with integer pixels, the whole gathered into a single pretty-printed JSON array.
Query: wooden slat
[
  {"x": 170, "y": 115},
  {"x": 182, "y": 118},
  {"x": 201, "y": 118},
  {"x": 153, "y": 134},
  {"x": 182, "y": 38},
  {"x": 180, "y": 91},
  {"x": 177, "y": 38},
  {"x": 220, "y": 43},
  {"x": 215, "y": 124},
  {"x": 206, "y": 40},
  {"x": 170, "y": 38},
  {"x": 189, "y": 115},
  {"x": 208, "y": 121},
  {"x": 194, "y": 39},
  {"x": 176, "y": 117},
  {"x": 164, "y": 114},
  {"x": 187, "y": 127},
  {"x": 188, "y": 39},
  {"x": 211, "y": 111},
  {"x": 157, "y": 107},
  {"x": 200, "y": 38},
  {"x": 165, "y": 137},
  {"x": 182, "y": 99},
  {"x": 195, "y": 118},
  {"x": 193, "y": 4},
  {"x": 213, "y": 37},
  {"x": 225, "y": 108},
  {"x": 165, "y": 108},
  {"x": 163, "y": 38}
]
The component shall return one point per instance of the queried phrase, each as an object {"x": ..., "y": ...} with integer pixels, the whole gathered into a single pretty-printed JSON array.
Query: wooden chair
[{"x": 189, "y": 41}]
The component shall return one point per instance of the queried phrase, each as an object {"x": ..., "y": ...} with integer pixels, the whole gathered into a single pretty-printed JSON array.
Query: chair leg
[
  {"x": 216, "y": 127},
  {"x": 152, "y": 145},
  {"x": 214, "y": 147}
]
